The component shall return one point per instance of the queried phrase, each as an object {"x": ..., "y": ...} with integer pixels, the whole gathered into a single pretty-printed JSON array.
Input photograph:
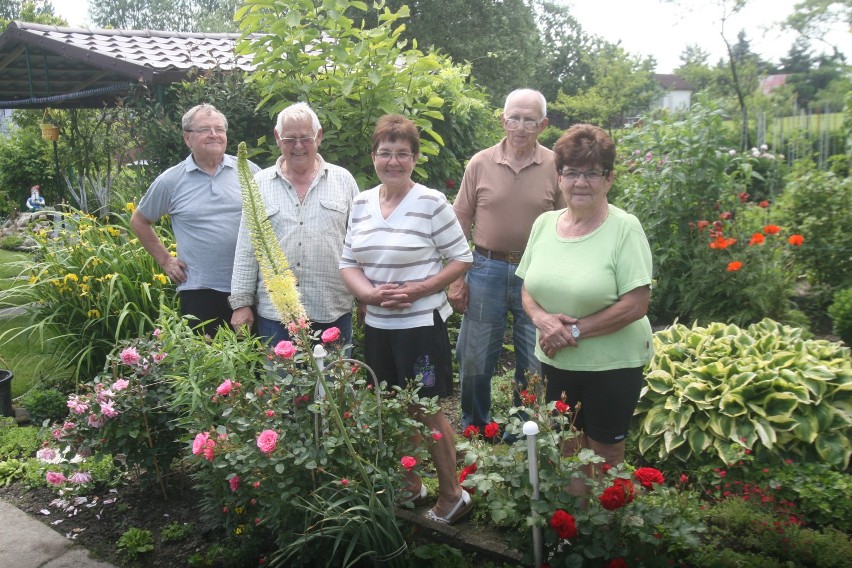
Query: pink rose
[
  {"x": 130, "y": 356},
  {"x": 108, "y": 410},
  {"x": 225, "y": 388},
  {"x": 54, "y": 478},
  {"x": 157, "y": 332},
  {"x": 344, "y": 482},
  {"x": 408, "y": 462},
  {"x": 120, "y": 384},
  {"x": 234, "y": 482},
  {"x": 267, "y": 440},
  {"x": 437, "y": 435},
  {"x": 285, "y": 349},
  {"x": 81, "y": 478},
  {"x": 270, "y": 413},
  {"x": 158, "y": 357},
  {"x": 331, "y": 334},
  {"x": 199, "y": 442}
]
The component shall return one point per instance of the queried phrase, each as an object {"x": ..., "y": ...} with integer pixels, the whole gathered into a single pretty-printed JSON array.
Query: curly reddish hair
[{"x": 584, "y": 145}]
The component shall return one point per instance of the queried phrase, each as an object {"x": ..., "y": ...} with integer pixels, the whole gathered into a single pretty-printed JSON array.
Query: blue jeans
[
  {"x": 272, "y": 331},
  {"x": 493, "y": 291}
]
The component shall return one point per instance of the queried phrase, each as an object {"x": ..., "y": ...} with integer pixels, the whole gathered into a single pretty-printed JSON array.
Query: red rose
[
  {"x": 527, "y": 397},
  {"x": 471, "y": 431},
  {"x": 408, "y": 462},
  {"x": 612, "y": 498},
  {"x": 564, "y": 524},
  {"x": 450, "y": 183},
  {"x": 464, "y": 473},
  {"x": 492, "y": 430},
  {"x": 648, "y": 476},
  {"x": 562, "y": 407},
  {"x": 627, "y": 486},
  {"x": 616, "y": 563}
]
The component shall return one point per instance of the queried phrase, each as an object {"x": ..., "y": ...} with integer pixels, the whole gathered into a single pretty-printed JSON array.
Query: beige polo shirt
[{"x": 502, "y": 205}]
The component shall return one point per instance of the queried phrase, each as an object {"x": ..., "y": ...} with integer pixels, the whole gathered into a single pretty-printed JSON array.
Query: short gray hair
[
  {"x": 297, "y": 112},
  {"x": 203, "y": 109},
  {"x": 518, "y": 92}
]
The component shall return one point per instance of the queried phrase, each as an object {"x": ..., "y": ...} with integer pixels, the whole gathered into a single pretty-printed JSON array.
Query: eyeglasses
[
  {"x": 303, "y": 141},
  {"x": 591, "y": 176},
  {"x": 388, "y": 156},
  {"x": 209, "y": 130},
  {"x": 530, "y": 125}
]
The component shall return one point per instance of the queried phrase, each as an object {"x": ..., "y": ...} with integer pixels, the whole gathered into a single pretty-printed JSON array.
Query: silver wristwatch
[{"x": 575, "y": 331}]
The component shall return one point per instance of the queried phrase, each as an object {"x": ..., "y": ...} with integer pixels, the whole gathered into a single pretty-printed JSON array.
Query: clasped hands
[
  {"x": 394, "y": 296},
  {"x": 555, "y": 333}
]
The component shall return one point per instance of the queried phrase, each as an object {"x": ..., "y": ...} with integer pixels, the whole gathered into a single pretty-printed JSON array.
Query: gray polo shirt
[{"x": 205, "y": 211}]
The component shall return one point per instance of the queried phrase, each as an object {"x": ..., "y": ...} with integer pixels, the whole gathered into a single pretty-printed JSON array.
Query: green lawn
[{"x": 22, "y": 354}]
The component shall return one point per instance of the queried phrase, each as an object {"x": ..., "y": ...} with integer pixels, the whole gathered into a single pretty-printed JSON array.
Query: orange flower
[
  {"x": 721, "y": 242},
  {"x": 796, "y": 240},
  {"x": 734, "y": 266},
  {"x": 702, "y": 224},
  {"x": 772, "y": 229},
  {"x": 756, "y": 239}
]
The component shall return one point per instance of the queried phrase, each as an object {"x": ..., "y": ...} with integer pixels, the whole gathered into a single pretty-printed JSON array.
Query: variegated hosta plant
[{"x": 719, "y": 390}]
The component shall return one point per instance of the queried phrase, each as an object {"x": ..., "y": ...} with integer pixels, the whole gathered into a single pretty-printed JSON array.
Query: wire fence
[{"x": 803, "y": 133}]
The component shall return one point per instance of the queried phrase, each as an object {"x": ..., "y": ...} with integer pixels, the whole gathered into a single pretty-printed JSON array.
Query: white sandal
[{"x": 457, "y": 513}]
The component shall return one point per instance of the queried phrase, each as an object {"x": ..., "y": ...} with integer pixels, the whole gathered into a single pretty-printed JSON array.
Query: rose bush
[{"x": 631, "y": 515}]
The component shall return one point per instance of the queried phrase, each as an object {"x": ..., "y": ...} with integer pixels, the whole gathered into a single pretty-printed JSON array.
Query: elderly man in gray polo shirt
[
  {"x": 202, "y": 196},
  {"x": 307, "y": 202}
]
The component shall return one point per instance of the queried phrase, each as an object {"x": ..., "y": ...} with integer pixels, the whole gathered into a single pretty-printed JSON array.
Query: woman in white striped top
[{"x": 403, "y": 247}]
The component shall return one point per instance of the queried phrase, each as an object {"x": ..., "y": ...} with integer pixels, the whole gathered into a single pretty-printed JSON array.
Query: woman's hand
[
  {"x": 394, "y": 296},
  {"x": 554, "y": 332}
]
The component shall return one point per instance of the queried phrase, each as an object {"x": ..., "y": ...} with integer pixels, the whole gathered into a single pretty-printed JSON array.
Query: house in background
[
  {"x": 677, "y": 93},
  {"x": 772, "y": 82}
]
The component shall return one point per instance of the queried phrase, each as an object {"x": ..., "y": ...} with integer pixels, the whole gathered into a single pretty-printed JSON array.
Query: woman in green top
[{"x": 587, "y": 278}]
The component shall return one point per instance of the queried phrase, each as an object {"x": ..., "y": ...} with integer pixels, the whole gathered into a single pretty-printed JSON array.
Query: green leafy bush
[
  {"x": 652, "y": 520},
  {"x": 175, "y": 531},
  {"x": 689, "y": 188},
  {"x": 17, "y": 441},
  {"x": 764, "y": 539},
  {"x": 716, "y": 391},
  {"x": 272, "y": 456},
  {"x": 11, "y": 470},
  {"x": 11, "y": 242},
  {"x": 818, "y": 203},
  {"x": 45, "y": 404},
  {"x": 25, "y": 160},
  {"x": 841, "y": 314},
  {"x": 134, "y": 542},
  {"x": 89, "y": 287}
]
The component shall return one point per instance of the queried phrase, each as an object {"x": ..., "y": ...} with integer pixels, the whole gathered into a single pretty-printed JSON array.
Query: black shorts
[
  {"x": 609, "y": 398},
  {"x": 399, "y": 356},
  {"x": 206, "y": 304}
]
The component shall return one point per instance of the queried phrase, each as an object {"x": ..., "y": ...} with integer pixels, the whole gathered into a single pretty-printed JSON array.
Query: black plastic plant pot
[{"x": 6, "y": 393}]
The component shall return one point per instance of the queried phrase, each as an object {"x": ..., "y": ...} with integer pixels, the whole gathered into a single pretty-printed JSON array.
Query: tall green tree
[
  {"x": 565, "y": 66},
  {"x": 318, "y": 52},
  {"x": 621, "y": 86},
  {"x": 167, "y": 15},
  {"x": 499, "y": 39},
  {"x": 812, "y": 19},
  {"x": 35, "y": 11}
]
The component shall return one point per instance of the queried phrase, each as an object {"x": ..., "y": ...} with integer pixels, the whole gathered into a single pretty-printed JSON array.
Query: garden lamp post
[
  {"x": 319, "y": 355},
  {"x": 530, "y": 431}
]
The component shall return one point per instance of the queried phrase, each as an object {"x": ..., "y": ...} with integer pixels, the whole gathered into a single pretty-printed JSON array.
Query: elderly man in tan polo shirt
[{"x": 504, "y": 189}]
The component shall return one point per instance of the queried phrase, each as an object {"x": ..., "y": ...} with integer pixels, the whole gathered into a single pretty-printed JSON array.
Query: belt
[{"x": 512, "y": 257}]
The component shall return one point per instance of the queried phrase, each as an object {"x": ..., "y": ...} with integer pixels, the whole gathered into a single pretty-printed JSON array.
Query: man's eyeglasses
[
  {"x": 209, "y": 130},
  {"x": 530, "y": 125},
  {"x": 591, "y": 176},
  {"x": 388, "y": 156},
  {"x": 303, "y": 141}
]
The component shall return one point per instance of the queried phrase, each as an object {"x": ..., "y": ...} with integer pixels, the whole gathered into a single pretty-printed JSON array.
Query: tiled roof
[{"x": 90, "y": 67}]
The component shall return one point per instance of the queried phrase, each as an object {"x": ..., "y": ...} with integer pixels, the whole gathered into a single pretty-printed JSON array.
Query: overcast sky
[{"x": 649, "y": 27}]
